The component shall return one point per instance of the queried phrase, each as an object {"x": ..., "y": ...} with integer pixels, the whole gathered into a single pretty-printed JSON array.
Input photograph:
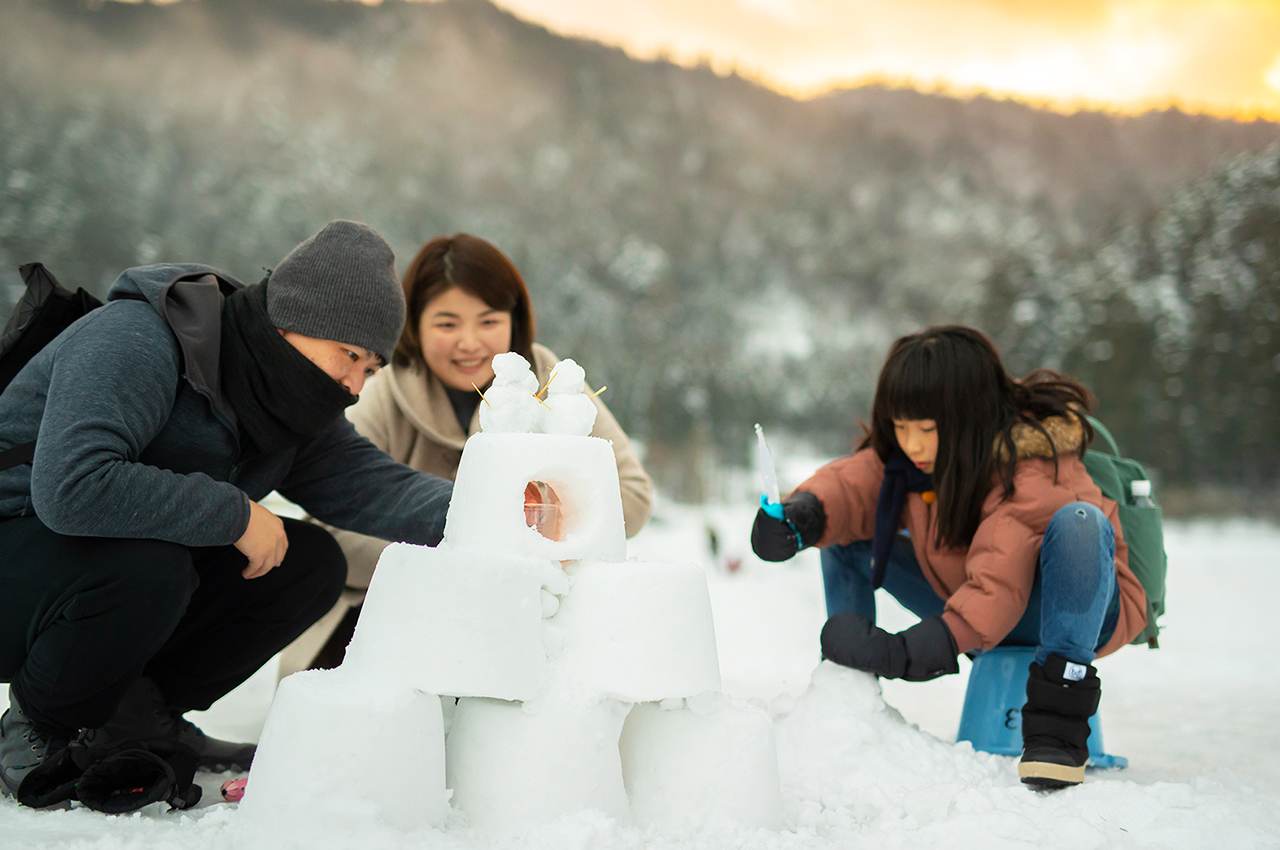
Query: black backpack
[{"x": 45, "y": 310}]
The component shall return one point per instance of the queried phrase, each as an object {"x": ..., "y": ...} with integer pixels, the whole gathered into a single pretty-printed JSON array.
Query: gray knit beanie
[{"x": 341, "y": 285}]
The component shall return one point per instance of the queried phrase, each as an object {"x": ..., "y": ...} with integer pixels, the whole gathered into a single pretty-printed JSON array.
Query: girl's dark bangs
[{"x": 914, "y": 391}]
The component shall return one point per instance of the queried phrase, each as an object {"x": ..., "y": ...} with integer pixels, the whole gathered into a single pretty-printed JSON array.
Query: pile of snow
[{"x": 856, "y": 773}]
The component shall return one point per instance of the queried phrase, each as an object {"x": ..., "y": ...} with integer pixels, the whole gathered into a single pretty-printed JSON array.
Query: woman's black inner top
[{"x": 464, "y": 404}]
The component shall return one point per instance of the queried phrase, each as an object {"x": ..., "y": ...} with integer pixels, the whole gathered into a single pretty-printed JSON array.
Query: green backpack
[{"x": 1141, "y": 524}]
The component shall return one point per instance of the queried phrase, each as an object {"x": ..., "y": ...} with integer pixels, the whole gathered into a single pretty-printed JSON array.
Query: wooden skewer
[
  {"x": 597, "y": 392},
  {"x": 486, "y": 401},
  {"x": 548, "y": 384},
  {"x": 541, "y": 402}
]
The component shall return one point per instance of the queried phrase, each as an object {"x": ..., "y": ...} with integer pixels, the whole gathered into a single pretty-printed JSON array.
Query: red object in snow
[{"x": 233, "y": 790}]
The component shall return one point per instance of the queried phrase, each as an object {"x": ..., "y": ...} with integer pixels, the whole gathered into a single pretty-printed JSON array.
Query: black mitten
[
  {"x": 126, "y": 782},
  {"x": 116, "y": 778},
  {"x": 806, "y": 514},
  {"x": 776, "y": 539},
  {"x": 925, "y": 651},
  {"x": 54, "y": 780}
]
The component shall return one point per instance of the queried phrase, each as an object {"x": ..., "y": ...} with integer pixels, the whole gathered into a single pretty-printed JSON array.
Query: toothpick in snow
[{"x": 548, "y": 384}]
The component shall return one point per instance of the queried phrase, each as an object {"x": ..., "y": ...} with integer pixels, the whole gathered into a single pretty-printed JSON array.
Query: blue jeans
[{"x": 1074, "y": 603}]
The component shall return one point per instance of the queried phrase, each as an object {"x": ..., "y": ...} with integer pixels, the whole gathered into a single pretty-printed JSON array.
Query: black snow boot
[
  {"x": 145, "y": 715},
  {"x": 23, "y": 747},
  {"x": 1061, "y": 697}
]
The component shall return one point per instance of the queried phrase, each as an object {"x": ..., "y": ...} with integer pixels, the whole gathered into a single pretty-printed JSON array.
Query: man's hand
[
  {"x": 923, "y": 652},
  {"x": 264, "y": 542}
]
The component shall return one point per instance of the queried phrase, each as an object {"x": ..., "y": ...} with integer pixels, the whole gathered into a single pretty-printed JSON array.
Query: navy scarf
[{"x": 901, "y": 477}]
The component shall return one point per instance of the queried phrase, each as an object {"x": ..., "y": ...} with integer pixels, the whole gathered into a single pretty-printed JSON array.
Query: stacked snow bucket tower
[{"x": 524, "y": 669}]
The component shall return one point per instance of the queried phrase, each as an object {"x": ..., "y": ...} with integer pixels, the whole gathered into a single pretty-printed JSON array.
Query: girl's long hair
[
  {"x": 476, "y": 267},
  {"x": 953, "y": 375}
]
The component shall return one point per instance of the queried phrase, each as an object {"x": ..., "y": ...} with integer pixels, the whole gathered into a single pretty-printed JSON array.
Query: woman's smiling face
[{"x": 460, "y": 335}]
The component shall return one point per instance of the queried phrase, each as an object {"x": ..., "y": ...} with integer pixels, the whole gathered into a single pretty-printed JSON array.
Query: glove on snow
[
  {"x": 115, "y": 778},
  {"x": 773, "y": 539},
  {"x": 925, "y": 651}
]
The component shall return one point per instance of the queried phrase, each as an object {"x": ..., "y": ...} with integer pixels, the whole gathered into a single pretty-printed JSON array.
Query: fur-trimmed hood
[{"x": 1067, "y": 433}]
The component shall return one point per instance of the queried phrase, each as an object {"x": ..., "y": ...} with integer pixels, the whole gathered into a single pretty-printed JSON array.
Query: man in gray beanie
[
  {"x": 160, "y": 420},
  {"x": 340, "y": 283}
]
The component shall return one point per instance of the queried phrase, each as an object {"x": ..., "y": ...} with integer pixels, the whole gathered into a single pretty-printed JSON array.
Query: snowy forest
[{"x": 716, "y": 253}]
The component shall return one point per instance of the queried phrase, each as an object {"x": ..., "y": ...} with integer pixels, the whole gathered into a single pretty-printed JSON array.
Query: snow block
[
  {"x": 715, "y": 761},
  {"x": 341, "y": 748},
  {"x": 510, "y": 765},
  {"x": 636, "y": 631},
  {"x": 487, "y": 512},
  {"x": 457, "y": 623}
]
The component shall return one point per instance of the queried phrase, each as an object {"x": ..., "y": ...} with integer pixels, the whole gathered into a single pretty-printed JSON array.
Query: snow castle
[{"x": 523, "y": 669}]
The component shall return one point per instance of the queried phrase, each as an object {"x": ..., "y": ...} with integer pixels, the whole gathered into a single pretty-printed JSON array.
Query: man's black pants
[{"x": 81, "y": 618}]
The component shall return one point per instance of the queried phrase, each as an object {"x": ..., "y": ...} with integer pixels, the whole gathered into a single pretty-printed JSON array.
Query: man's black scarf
[
  {"x": 280, "y": 398},
  {"x": 901, "y": 476}
]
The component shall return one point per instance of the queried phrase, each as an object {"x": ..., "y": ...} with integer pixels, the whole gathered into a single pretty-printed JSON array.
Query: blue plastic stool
[{"x": 991, "y": 719}]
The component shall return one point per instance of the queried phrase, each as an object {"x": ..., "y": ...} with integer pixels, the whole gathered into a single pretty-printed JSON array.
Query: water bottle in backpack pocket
[{"x": 1124, "y": 481}]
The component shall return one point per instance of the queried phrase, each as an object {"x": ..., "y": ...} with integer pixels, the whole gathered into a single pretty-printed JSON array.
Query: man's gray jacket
[{"x": 134, "y": 438}]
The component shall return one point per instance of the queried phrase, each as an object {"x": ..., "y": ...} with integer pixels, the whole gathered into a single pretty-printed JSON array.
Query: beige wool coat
[{"x": 405, "y": 411}]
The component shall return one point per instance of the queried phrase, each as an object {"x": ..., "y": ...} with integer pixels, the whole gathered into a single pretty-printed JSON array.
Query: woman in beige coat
[{"x": 466, "y": 303}]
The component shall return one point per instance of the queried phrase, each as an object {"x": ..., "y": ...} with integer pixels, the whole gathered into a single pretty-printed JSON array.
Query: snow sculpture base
[
  {"x": 454, "y": 622},
  {"x": 510, "y": 764},
  {"x": 713, "y": 761},
  {"x": 491, "y": 617},
  {"x": 340, "y": 747},
  {"x": 637, "y": 631},
  {"x": 487, "y": 511}
]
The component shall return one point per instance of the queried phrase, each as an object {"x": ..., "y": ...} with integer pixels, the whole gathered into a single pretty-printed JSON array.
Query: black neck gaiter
[{"x": 280, "y": 398}]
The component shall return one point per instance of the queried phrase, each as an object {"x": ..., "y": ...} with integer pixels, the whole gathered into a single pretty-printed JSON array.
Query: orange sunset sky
[{"x": 1216, "y": 56}]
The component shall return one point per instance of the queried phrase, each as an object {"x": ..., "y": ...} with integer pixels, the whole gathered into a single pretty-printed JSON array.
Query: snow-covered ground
[{"x": 1198, "y": 721}]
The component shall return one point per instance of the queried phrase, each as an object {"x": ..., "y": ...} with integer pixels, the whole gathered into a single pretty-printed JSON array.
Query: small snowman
[
  {"x": 568, "y": 410},
  {"x": 509, "y": 404}
]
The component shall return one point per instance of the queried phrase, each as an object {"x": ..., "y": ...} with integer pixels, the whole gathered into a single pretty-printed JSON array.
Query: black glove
[
  {"x": 775, "y": 539},
  {"x": 923, "y": 652},
  {"x": 115, "y": 778}
]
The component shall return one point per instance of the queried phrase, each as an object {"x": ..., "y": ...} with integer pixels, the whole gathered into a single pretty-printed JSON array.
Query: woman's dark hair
[
  {"x": 477, "y": 268},
  {"x": 953, "y": 375}
]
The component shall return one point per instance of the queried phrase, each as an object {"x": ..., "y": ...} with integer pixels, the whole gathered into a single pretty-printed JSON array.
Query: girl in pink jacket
[{"x": 968, "y": 501}]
